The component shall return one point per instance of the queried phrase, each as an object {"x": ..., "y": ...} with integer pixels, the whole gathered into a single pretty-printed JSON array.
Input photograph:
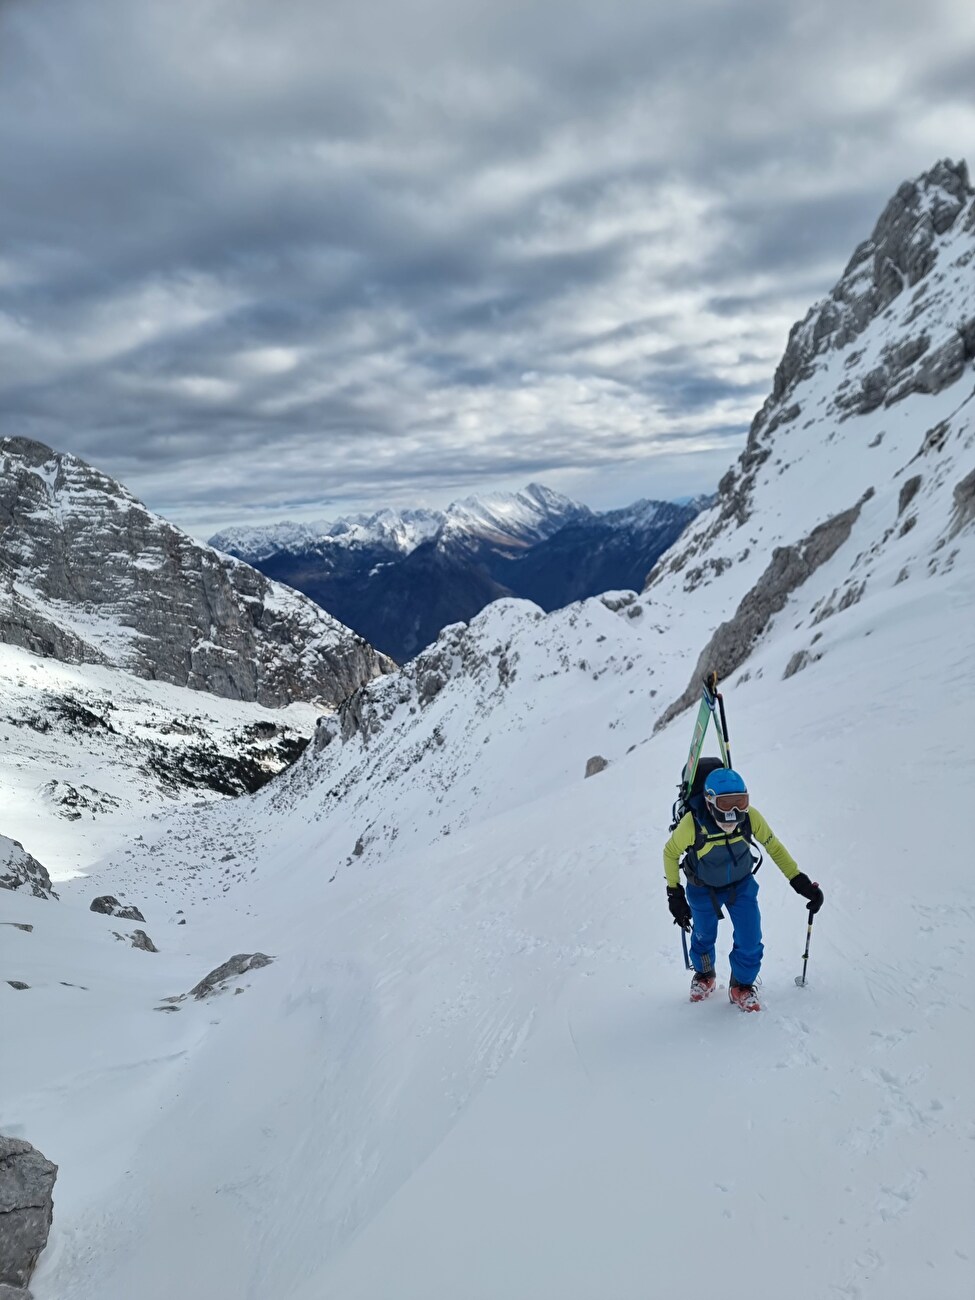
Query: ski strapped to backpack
[
  {"x": 690, "y": 791},
  {"x": 711, "y": 706}
]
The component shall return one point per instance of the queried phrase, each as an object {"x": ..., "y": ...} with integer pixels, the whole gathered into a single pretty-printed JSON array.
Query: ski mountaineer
[{"x": 715, "y": 842}]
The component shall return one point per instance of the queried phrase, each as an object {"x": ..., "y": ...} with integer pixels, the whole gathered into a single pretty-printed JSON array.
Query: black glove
[
  {"x": 808, "y": 889},
  {"x": 679, "y": 910}
]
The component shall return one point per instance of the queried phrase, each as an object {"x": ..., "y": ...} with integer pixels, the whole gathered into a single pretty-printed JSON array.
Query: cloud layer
[{"x": 257, "y": 255}]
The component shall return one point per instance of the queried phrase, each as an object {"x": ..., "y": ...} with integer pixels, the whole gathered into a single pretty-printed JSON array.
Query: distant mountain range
[{"x": 399, "y": 577}]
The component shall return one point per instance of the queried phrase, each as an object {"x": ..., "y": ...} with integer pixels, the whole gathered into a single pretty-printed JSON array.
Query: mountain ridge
[
  {"x": 400, "y": 577},
  {"x": 91, "y": 575}
]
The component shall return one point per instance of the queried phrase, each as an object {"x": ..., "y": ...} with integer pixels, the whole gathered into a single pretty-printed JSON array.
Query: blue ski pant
[{"x": 741, "y": 903}]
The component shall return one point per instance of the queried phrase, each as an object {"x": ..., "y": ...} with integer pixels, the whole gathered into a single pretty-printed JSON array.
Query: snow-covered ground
[
  {"x": 84, "y": 748},
  {"x": 471, "y": 1070}
]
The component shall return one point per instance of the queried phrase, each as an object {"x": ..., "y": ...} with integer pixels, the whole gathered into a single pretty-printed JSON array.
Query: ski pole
[
  {"x": 801, "y": 979},
  {"x": 683, "y": 944}
]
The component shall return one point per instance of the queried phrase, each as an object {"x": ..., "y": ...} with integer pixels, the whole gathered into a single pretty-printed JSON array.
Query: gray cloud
[{"x": 380, "y": 251}]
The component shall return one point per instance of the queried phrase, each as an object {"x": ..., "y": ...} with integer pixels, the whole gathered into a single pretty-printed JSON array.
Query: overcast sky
[{"x": 284, "y": 259}]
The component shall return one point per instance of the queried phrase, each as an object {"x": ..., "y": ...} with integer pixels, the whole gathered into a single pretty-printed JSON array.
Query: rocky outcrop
[
  {"x": 80, "y": 552},
  {"x": 790, "y": 567},
  {"x": 231, "y": 969},
  {"x": 964, "y": 504},
  {"x": 20, "y": 870},
  {"x": 596, "y": 764},
  {"x": 139, "y": 939},
  {"x": 921, "y": 250},
  {"x": 26, "y": 1211},
  {"x": 110, "y": 906},
  {"x": 900, "y": 252}
]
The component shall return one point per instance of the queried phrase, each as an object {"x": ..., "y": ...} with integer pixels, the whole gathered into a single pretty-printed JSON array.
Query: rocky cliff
[
  {"x": 873, "y": 401},
  {"x": 899, "y": 322},
  {"x": 89, "y": 575}
]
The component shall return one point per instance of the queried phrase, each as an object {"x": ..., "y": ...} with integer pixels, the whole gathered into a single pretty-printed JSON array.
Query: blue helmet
[
  {"x": 724, "y": 780},
  {"x": 726, "y": 795}
]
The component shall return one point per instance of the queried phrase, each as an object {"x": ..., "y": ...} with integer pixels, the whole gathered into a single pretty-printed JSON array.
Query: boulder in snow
[
  {"x": 243, "y": 961},
  {"x": 19, "y": 870},
  {"x": 596, "y": 764},
  {"x": 26, "y": 1210},
  {"x": 110, "y": 906}
]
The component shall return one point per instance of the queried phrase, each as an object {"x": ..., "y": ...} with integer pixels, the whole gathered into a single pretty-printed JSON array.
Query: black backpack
[{"x": 692, "y": 801}]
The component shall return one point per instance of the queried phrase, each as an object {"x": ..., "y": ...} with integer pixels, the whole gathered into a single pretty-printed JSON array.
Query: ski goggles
[{"x": 733, "y": 804}]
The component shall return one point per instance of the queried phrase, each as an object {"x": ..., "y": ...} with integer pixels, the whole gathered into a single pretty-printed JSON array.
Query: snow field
[{"x": 472, "y": 1070}]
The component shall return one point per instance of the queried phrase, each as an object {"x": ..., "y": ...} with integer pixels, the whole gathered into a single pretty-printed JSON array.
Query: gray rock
[
  {"x": 964, "y": 502},
  {"x": 14, "y": 1292},
  {"x": 187, "y": 614},
  {"x": 942, "y": 367},
  {"x": 110, "y": 906},
  {"x": 230, "y": 969},
  {"x": 908, "y": 492},
  {"x": 141, "y": 940},
  {"x": 596, "y": 764},
  {"x": 19, "y": 925},
  {"x": 796, "y": 664},
  {"x": 617, "y": 600},
  {"x": 26, "y": 1208},
  {"x": 21, "y": 871},
  {"x": 18, "y": 984},
  {"x": 734, "y": 641},
  {"x": 899, "y": 253}
]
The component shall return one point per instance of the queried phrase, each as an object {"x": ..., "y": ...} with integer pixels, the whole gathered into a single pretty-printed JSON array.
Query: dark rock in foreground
[{"x": 26, "y": 1210}]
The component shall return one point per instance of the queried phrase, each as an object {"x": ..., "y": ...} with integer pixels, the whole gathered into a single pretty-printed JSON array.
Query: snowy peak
[
  {"x": 509, "y": 518},
  {"x": 514, "y": 519},
  {"x": 401, "y": 531},
  {"x": 859, "y": 470},
  {"x": 928, "y": 220},
  {"x": 89, "y": 575},
  {"x": 257, "y": 543}
]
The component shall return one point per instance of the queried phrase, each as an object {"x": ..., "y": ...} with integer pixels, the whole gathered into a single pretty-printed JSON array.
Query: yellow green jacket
[{"x": 685, "y": 834}]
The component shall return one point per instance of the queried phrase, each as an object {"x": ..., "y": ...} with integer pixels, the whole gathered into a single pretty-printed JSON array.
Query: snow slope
[
  {"x": 89, "y": 753},
  {"x": 471, "y": 1069}
]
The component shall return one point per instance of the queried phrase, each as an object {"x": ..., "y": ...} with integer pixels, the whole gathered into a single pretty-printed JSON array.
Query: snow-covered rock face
[
  {"x": 88, "y": 752},
  {"x": 20, "y": 870},
  {"x": 257, "y": 543},
  {"x": 926, "y": 233},
  {"x": 509, "y": 520},
  {"x": 872, "y": 403},
  {"x": 89, "y": 575}
]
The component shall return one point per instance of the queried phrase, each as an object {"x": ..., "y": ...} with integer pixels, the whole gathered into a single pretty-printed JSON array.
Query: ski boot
[
  {"x": 743, "y": 996},
  {"x": 702, "y": 985}
]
